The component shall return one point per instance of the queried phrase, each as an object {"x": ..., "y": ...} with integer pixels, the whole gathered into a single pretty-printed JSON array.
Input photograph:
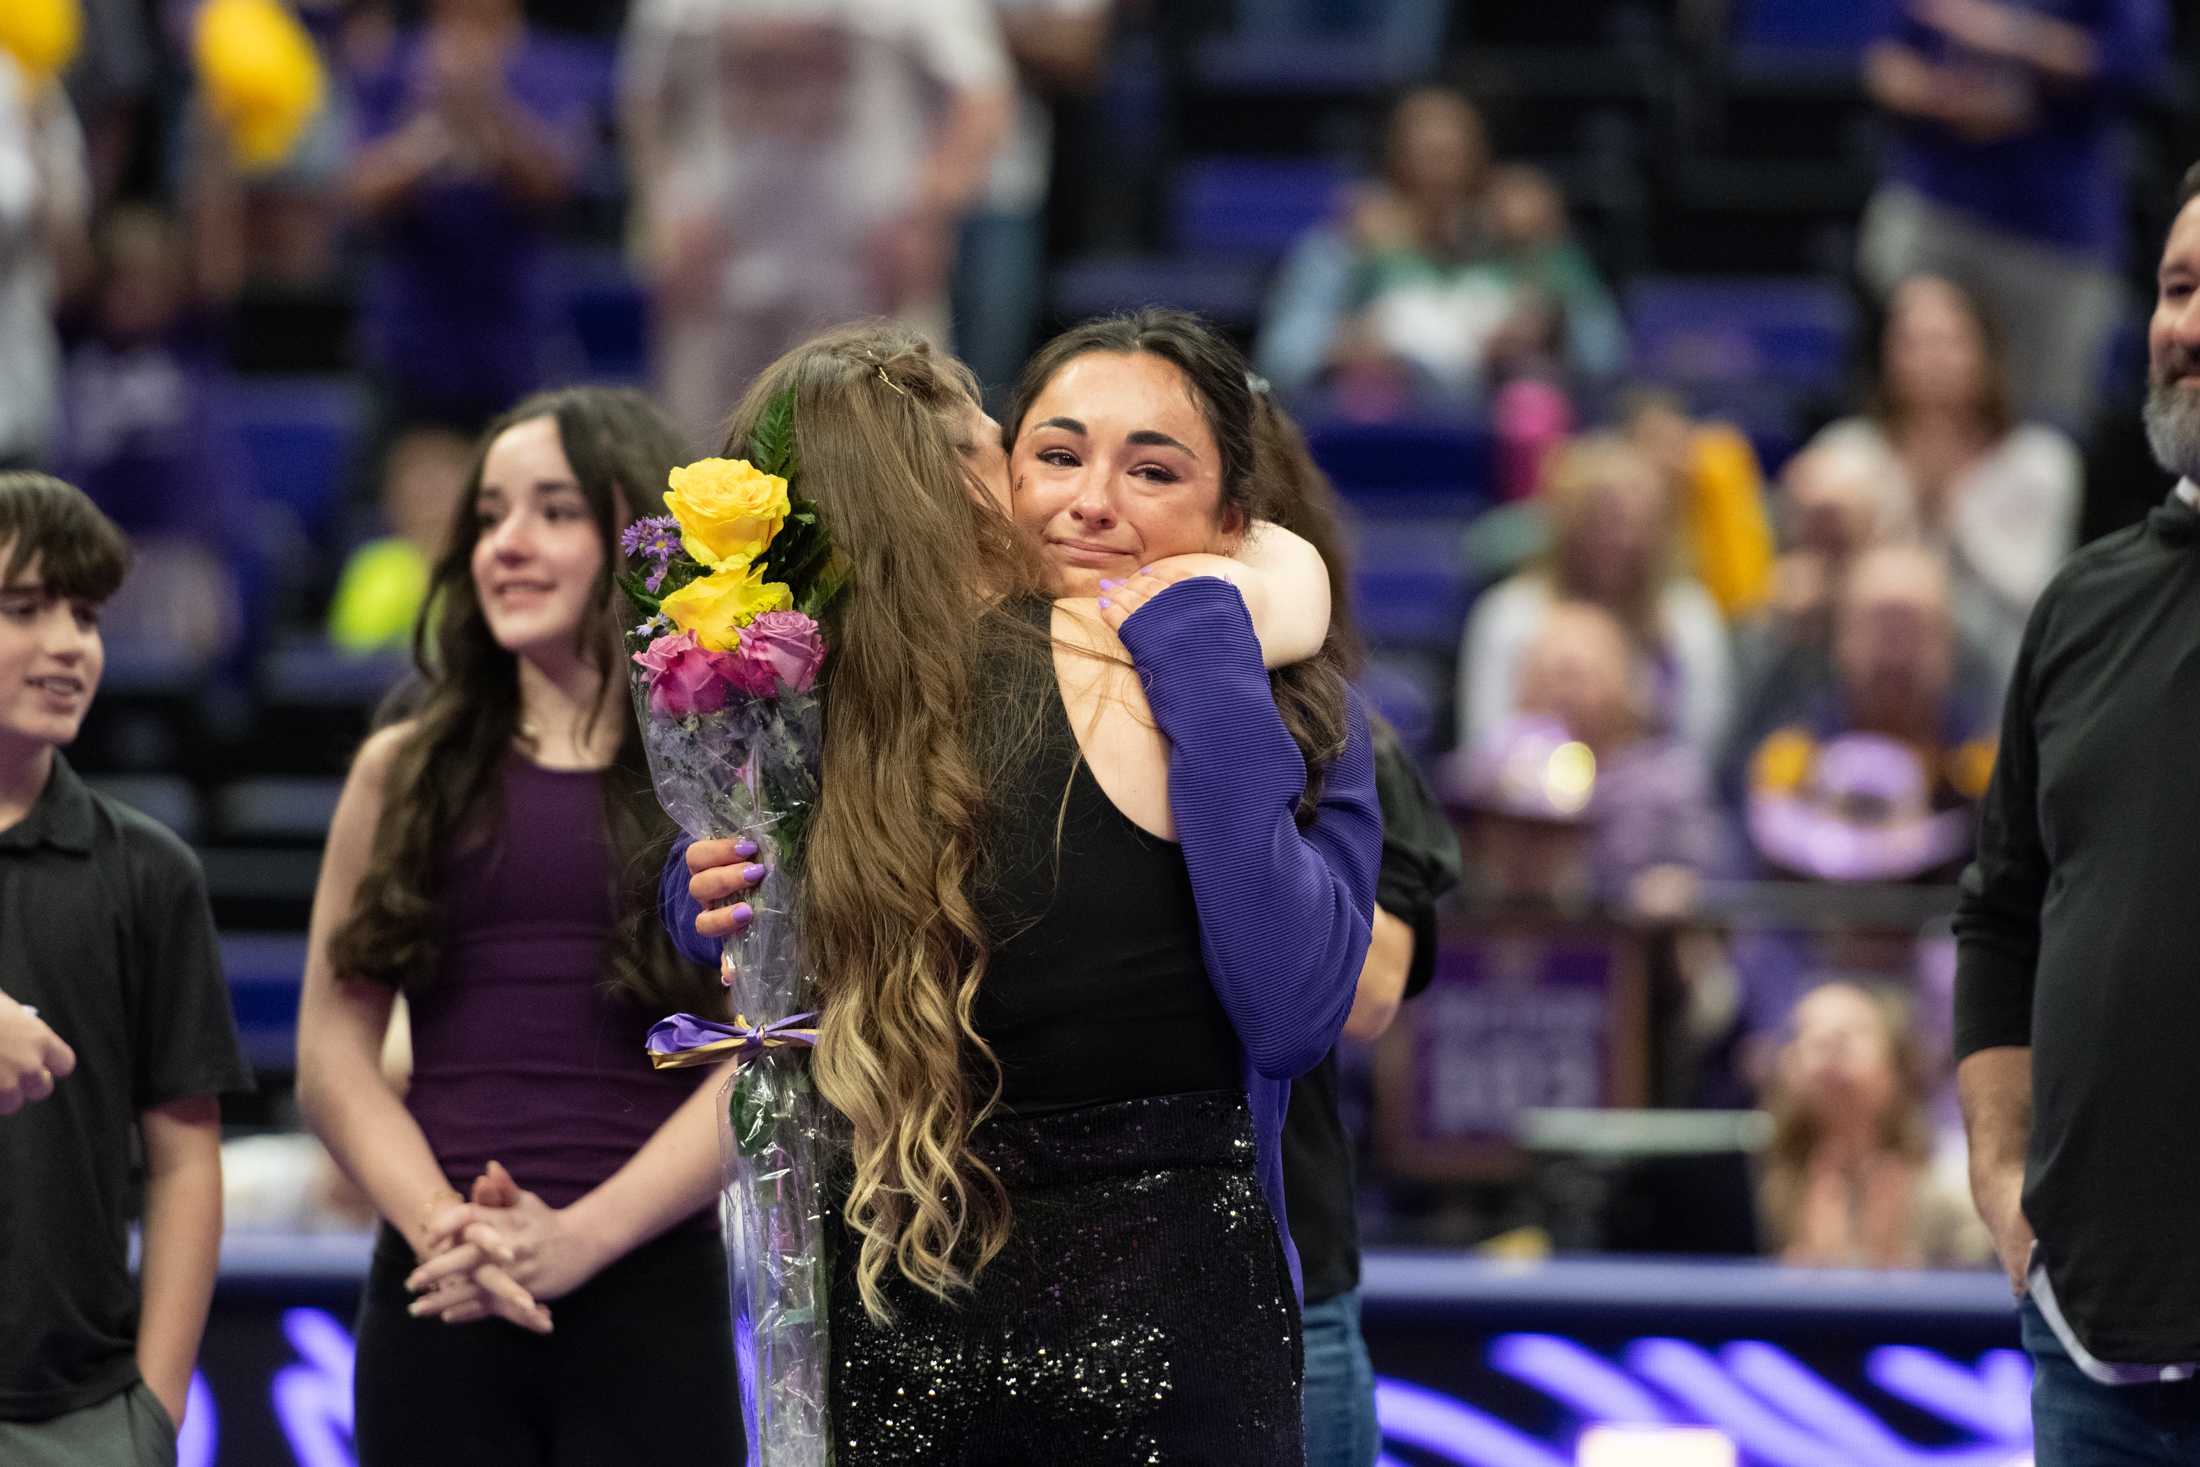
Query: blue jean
[
  {"x": 2078, "y": 1422},
  {"x": 1340, "y": 1386}
]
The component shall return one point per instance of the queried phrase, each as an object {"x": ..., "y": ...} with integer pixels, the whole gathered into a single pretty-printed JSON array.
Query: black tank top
[{"x": 1095, "y": 989}]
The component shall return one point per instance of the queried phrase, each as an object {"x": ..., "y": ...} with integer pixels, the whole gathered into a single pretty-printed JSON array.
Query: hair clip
[
  {"x": 890, "y": 382},
  {"x": 1257, "y": 384}
]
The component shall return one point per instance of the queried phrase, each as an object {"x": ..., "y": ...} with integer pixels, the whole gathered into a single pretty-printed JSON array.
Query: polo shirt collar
[{"x": 61, "y": 818}]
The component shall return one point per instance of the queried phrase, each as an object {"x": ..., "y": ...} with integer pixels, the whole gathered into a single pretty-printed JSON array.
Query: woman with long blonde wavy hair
[{"x": 1041, "y": 1039}]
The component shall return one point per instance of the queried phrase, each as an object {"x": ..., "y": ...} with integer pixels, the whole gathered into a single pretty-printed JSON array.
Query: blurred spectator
[
  {"x": 147, "y": 433},
  {"x": 2006, "y": 171},
  {"x": 470, "y": 131},
  {"x": 1448, "y": 279},
  {"x": 1059, "y": 47},
  {"x": 1524, "y": 792},
  {"x": 1713, "y": 476},
  {"x": 1651, "y": 809},
  {"x": 1872, "y": 774},
  {"x": 2002, "y": 496},
  {"x": 1612, "y": 542},
  {"x": 110, "y": 83},
  {"x": 384, "y": 585},
  {"x": 796, "y": 163},
  {"x": 1849, "y": 1180},
  {"x": 1834, "y": 503},
  {"x": 44, "y": 205}
]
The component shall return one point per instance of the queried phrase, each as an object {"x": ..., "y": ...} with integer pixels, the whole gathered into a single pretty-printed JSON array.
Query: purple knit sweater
[{"x": 1284, "y": 914}]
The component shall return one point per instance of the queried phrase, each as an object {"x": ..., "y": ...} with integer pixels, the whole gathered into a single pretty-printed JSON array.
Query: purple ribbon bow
[{"x": 685, "y": 1040}]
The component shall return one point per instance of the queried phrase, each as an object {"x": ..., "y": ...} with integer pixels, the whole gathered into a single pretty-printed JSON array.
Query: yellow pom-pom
[
  {"x": 260, "y": 76},
  {"x": 379, "y": 596},
  {"x": 41, "y": 35}
]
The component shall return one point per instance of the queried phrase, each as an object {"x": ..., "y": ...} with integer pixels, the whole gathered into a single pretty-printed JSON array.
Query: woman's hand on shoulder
[
  {"x": 1280, "y": 575},
  {"x": 1121, "y": 600}
]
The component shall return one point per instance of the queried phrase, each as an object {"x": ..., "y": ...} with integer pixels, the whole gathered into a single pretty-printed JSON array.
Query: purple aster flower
[{"x": 656, "y": 538}]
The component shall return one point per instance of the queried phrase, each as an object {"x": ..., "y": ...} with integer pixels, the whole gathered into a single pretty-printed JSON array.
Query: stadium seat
[
  {"x": 1794, "y": 332},
  {"x": 1253, "y": 207},
  {"x": 1227, "y": 292},
  {"x": 1803, "y": 25},
  {"x": 265, "y": 971},
  {"x": 299, "y": 434},
  {"x": 316, "y": 704},
  {"x": 164, "y": 797},
  {"x": 1409, "y": 697},
  {"x": 1409, "y": 467},
  {"x": 276, "y": 810},
  {"x": 1410, "y": 584},
  {"x": 607, "y": 310}
]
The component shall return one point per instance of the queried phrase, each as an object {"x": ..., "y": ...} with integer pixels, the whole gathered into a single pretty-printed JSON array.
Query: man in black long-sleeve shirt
[{"x": 2078, "y": 980}]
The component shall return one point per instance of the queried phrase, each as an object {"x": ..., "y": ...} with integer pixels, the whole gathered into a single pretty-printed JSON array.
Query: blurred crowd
[{"x": 1692, "y": 662}]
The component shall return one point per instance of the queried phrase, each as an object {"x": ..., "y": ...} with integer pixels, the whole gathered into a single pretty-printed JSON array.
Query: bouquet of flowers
[{"x": 726, "y": 656}]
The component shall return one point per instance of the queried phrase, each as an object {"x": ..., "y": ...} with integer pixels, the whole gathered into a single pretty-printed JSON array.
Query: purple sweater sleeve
[
  {"x": 678, "y": 911},
  {"x": 1284, "y": 914}
]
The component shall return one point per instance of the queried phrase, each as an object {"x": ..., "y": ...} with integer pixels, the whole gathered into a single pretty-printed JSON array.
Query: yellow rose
[
  {"x": 728, "y": 510},
  {"x": 715, "y": 607}
]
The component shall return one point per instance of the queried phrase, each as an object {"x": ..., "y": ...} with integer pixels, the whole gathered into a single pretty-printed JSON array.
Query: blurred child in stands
[{"x": 1850, "y": 1180}]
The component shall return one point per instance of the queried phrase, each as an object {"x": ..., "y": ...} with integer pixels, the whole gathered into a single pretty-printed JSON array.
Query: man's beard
[{"x": 2173, "y": 426}]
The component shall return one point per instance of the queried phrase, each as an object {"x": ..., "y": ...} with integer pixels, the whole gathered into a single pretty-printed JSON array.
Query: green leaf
[
  {"x": 637, "y": 591},
  {"x": 831, "y": 579},
  {"x": 771, "y": 442},
  {"x": 750, "y": 1114}
]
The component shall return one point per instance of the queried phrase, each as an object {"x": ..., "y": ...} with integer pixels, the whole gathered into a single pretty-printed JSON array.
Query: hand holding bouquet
[{"x": 726, "y": 660}]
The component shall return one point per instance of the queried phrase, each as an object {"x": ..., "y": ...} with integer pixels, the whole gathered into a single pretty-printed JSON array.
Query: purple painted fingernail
[
  {"x": 1109, "y": 585},
  {"x": 744, "y": 848},
  {"x": 750, "y": 875},
  {"x": 1105, "y": 603},
  {"x": 743, "y": 913}
]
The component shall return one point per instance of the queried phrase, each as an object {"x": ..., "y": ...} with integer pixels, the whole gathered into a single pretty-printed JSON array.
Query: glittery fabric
[{"x": 1141, "y": 1312}]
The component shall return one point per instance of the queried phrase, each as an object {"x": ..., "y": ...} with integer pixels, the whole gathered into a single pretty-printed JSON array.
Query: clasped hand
[{"x": 502, "y": 1253}]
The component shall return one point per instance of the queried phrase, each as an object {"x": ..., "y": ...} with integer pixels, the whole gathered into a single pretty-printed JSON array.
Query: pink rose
[
  {"x": 781, "y": 648},
  {"x": 684, "y": 678}
]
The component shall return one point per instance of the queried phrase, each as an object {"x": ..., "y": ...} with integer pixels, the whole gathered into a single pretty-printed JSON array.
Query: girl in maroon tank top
[{"x": 494, "y": 858}]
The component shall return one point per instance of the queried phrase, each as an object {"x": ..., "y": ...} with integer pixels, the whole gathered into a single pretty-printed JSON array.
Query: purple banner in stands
[{"x": 1515, "y": 1020}]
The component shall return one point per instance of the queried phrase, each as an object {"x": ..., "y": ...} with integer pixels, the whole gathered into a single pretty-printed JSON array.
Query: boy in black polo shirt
[{"x": 105, "y": 934}]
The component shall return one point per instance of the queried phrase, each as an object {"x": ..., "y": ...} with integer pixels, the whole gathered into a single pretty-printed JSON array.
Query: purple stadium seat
[
  {"x": 298, "y": 435},
  {"x": 1227, "y": 292},
  {"x": 1792, "y": 332},
  {"x": 1821, "y": 26},
  {"x": 1430, "y": 467},
  {"x": 1253, "y": 206}
]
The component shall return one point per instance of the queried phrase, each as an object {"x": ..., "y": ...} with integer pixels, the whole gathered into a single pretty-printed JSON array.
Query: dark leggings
[{"x": 639, "y": 1369}]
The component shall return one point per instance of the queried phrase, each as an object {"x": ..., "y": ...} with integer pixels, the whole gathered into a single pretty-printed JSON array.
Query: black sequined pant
[{"x": 1141, "y": 1312}]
